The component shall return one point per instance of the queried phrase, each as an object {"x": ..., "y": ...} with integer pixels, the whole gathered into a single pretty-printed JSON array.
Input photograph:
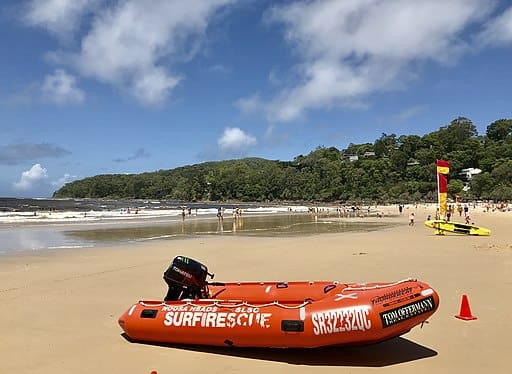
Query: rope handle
[{"x": 220, "y": 305}]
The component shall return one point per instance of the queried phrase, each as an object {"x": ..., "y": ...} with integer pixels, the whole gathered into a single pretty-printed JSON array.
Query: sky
[{"x": 92, "y": 87}]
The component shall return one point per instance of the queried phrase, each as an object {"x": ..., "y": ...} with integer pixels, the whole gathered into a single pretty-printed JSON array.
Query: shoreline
[
  {"x": 30, "y": 239},
  {"x": 34, "y": 237}
]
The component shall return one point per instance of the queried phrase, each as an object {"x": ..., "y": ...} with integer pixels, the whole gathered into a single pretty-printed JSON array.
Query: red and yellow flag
[{"x": 443, "y": 169}]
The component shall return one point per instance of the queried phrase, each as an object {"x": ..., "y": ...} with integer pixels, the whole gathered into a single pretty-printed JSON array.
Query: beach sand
[{"x": 59, "y": 309}]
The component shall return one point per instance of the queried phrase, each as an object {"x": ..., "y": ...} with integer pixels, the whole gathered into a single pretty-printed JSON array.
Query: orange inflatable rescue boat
[{"x": 276, "y": 314}]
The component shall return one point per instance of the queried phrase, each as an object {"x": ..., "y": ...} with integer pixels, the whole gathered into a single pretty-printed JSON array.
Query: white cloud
[
  {"x": 499, "y": 30},
  {"x": 60, "y": 88},
  {"x": 235, "y": 141},
  {"x": 219, "y": 68},
  {"x": 153, "y": 86},
  {"x": 250, "y": 105},
  {"x": 60, "y": 17},
  {"x": 132, "y": 44},
  {"x": 351, "y": 49},
  {"x": 31, "y": 178}
]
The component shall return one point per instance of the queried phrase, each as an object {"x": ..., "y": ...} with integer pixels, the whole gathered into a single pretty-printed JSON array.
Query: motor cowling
[{"x": 186, "y": 279}]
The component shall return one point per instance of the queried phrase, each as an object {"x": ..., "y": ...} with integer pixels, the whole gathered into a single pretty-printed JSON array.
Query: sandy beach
[{"x": 60, "y": 308}]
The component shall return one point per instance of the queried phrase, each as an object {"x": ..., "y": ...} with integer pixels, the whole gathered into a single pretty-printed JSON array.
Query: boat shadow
[{"x": 391, "y": 352}]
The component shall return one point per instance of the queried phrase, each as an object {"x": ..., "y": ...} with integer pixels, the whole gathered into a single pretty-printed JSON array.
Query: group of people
[
  {"x": 460, "y": 209},
  {"x": 237, "y": 212},
  {"x": 449, "y": 212},
  {"x": 448, "y": 215},
  {"x": 186, "y": 211}
]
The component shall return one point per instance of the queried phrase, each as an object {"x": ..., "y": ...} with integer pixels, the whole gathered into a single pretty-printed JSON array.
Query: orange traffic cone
[{"x": 465, "y": 310}]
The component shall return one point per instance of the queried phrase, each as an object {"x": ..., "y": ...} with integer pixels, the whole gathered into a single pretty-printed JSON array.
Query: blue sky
[{"x": 92, "y": 87}]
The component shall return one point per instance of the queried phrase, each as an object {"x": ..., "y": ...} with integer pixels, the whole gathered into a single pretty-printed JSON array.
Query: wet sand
[{"x": 60, "y": 308}]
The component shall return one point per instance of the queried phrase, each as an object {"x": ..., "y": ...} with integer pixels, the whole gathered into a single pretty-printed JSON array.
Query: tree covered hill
[{"x": 392, "y": 168}]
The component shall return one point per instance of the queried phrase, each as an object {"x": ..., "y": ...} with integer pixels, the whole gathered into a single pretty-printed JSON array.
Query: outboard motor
[{"x": 186, "y": 279}]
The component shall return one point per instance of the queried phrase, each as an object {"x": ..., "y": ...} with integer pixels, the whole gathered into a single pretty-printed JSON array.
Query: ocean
[
  {"x": 48, "y": 224},
  {"x": 11, "y": 205}
]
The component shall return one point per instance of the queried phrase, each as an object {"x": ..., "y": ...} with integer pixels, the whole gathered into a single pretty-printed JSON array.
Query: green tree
[
  {"x": 500, "y": 129},
  {"x": 324, "y": 175},
  {"x": 503, "y": 173},
  {"x": 384, "y": 145},
  {"x": 459, "y": 130},
  {"x": 481, "y": 185},
  {"x": 399, "y": 161},
  {"x": 455, "y": 187},
  {"x": 409, "y": 144},
  {"x": 502, "y": 193}
]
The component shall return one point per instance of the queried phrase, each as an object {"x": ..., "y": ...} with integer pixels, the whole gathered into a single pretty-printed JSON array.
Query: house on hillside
[
  {"x": 350, "y": 158},
  {"x": 369, "y": 155},
  {"x": 467, "y": 174}
]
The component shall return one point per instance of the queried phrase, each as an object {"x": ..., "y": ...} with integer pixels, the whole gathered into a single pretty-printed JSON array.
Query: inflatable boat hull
[{"x": 284, "y": 314}]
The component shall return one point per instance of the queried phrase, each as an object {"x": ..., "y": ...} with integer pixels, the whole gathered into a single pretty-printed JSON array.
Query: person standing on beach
[{"x": 411, "y": 219}]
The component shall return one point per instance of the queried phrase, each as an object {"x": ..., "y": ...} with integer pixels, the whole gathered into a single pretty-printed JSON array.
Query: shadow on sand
[{"x": 391, "y": 352}]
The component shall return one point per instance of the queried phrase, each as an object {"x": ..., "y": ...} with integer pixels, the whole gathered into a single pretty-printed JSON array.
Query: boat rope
[
  {"x": 378, "y": 286},
  {"x": 239, "y": 303},
  {"x": 220, "y": 304}
]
